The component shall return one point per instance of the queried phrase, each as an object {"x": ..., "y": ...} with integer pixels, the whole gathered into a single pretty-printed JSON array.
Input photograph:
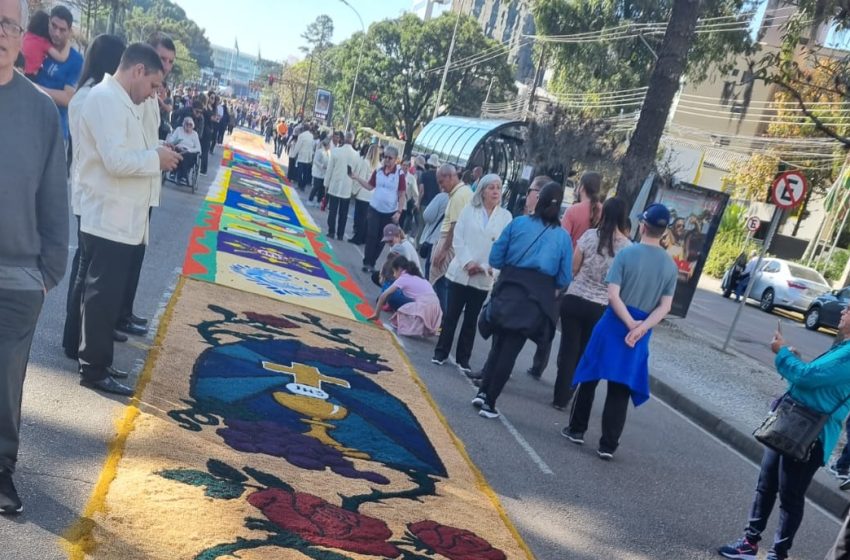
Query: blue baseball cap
[{"x": 656, "y": 215}]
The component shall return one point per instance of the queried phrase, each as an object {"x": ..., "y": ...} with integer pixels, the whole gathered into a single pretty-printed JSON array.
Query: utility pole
[
  {"x": 538, "y": 78},
  {"x": 446, "y": 68}
]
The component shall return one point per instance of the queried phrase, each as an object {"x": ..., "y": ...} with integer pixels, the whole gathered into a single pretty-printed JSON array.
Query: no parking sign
[{"x": 789, "y": 189}]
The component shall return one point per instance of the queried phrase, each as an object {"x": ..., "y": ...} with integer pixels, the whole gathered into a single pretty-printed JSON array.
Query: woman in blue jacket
[
  {"x": 534, "y": 257},
  {"x": 823, "y": 385}
]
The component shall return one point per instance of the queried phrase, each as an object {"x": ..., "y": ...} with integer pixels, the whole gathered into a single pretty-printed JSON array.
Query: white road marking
[
  {"x": 739, "y": 454},
  {"x": 163, "y": 303}
]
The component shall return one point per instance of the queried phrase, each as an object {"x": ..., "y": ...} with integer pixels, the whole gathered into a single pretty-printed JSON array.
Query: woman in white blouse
[
  {"x": 469, "y": 274},
  {"x": 185, "y": 140}
]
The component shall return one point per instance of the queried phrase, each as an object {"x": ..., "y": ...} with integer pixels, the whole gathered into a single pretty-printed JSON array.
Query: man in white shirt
[
  {"x": 339, "y": 184},
  {"x": 303, "y": 151},
  {"x": 152, "y": 109},
  {"x": 117, "y": 162}
]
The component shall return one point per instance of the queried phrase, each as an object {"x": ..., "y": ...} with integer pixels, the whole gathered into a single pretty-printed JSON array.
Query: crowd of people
[{"x": 97, "y": 132}]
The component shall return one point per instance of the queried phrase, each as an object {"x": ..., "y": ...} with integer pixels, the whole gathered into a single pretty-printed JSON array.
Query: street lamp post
[
  {"x": 446, "y": 67},
  {"x": 357, "y": 69}
]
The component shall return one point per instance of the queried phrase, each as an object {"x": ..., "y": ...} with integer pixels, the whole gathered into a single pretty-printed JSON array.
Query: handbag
[
  {"x": 792, "y": 428},
  {"x": 488, "y": 318}
]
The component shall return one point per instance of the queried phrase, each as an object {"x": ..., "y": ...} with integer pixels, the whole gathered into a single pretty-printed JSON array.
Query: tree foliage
[
  {"x": 401, "y": 70},
  {"x": 625, "y": 64}
]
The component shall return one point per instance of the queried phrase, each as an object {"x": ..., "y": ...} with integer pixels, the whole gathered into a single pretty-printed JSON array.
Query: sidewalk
[{"x": 728, "y": 394}]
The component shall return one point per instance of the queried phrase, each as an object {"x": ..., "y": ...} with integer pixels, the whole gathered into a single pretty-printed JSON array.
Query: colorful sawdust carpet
[
  {"x": 264, "y": 430},
  {"x": 254, "y": 234}
]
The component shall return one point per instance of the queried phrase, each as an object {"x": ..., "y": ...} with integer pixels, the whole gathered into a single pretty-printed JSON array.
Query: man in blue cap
[{"x": 641, "y": 283}]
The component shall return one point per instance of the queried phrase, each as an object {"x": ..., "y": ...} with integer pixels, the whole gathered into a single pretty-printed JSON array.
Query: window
[
  {"x": 806, "y": 273},
  {"x": 758, "y": 8},
  {"x": 845, "y": 294},
  {"x": 771, "y": 267}
]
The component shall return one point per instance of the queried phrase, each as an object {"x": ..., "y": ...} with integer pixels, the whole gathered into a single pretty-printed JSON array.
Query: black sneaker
[
  {"x": 534, "y": 374},
  {"x": 437, "y": 361},
  {"x": 488, "y": 411},
  {"x": 605, "y": 455},
  {"x": 575, "y": 437},
  {"x": 479, "y": 399},
  {"x": 464, "y": 368},
  {"x": 10, "y": 502}
]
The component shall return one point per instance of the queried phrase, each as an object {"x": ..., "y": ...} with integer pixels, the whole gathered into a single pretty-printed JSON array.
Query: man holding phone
[{"x": 338, "y": 182}]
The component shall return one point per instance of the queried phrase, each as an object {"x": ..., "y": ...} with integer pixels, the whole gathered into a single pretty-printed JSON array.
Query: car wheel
[
  {"x": 766, "y": 303},
  {"x": 812, "y": 319}
]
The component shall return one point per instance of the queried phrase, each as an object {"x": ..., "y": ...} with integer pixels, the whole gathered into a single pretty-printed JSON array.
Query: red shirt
[
  {"x": 576, "y": 219},
  {"x": 34, "y": 48}
]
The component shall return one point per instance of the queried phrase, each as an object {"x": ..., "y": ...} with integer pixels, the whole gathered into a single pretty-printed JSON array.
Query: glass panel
[
  {"x": 809, "y": 274},
  {"x": 438, "y": 141},
  {"x": 447, "y": 144},
  {"x": 471, "y": 141},
  {"x": 459, "y": 143}
]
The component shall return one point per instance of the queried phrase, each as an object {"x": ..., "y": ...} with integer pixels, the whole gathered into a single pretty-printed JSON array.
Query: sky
[{"x": 275, "y": 26}]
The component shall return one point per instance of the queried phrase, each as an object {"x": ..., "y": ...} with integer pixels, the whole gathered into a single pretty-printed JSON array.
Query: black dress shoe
[
  {"x": 136, "y": 320},
  {"x": 130, "y": 328},
  {"x": 119, "y": 337},
  {"x": 117, "y": 373},
  {"x": 108, "y": 385}
]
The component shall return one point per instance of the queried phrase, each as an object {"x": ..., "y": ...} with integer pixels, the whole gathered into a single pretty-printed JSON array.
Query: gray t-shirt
[
  {"x": 644, "y": 274},
  {"x": 408, "y": 251}
]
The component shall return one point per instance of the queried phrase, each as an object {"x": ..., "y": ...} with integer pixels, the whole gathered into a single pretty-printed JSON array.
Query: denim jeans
[
  {"x": 789, "y": 479},
  {"x": 843, "y": 463},
  {"x": 397, "y": 298}
]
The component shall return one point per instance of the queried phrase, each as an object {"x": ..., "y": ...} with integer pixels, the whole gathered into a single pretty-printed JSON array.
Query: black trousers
[
  {"x": 506, "y": 346},
  {"x": 19, "y": 310},
  {"x": 789, "y": 480},
  {"x": 103, "y": 298},
  {"x": 578, "y": 317},
  {"x": 541, "y": 357},
  {"x": 337, "y": 215},
  {"x": 841, "y": 549},
  {"x": 76, "y": 280},
  {"x": 361, "y": 212},
  {"x": 318, "y": 191},
  {"x": 304, "y": 174},
  {"x": 613, "y": 415},
  {"x": 464, "y": 300},
  {"x": 134, "y": 274},
  {"x": 375, "y": 223},
  {"x": 205, "y": 153},
  {"x": 292, "y": 170}
]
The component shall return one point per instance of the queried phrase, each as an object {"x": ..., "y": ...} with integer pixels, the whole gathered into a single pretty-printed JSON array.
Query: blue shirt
[
  {"x": 58, "y": 75},
  {"x": 820, "y": 384},
  {"x": 551, "y": 254}
]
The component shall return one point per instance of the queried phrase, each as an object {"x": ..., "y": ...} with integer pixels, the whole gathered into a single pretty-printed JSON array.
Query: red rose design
[
  {"x": 453, "y": 543},
  {"x": 319, "y": 522}
]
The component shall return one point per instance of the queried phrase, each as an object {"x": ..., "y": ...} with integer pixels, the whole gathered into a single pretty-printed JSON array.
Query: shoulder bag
[
  {"x": 488, "y": 318},
  {"x": 792, "y": 428}
]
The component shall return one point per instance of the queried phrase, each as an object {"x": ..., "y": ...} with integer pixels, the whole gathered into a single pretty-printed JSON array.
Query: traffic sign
[
  {"x": 753, "y": 223},
  {"x": 789, "y": 189}
]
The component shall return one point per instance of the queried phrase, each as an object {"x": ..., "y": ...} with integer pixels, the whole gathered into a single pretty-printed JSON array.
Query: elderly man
[
  {"x": 343, "y": 160},
  {"x": 33, "y": 229},
  {"x": 459, "y": 196},
  {"x": 118, "y": 161},
  {"x": 152, "y": 109},
  {"x": 59, "y": 79},
  {"x": 303, "y": 152}
]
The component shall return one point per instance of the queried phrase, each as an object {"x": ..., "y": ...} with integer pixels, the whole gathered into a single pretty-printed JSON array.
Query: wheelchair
[{"x": 191, "y": 176}]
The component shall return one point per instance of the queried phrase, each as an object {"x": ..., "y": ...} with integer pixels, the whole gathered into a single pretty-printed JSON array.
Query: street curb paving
[{"x": 744, "y": 443}]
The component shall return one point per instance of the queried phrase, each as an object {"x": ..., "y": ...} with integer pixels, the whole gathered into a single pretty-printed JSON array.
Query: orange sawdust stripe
[
  {"x": 78, "y": 541},
  {"x": 480, "y": 479}
]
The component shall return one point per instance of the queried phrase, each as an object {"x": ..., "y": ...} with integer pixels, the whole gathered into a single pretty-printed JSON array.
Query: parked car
[
  {"x": 786, "y": 285},
  {"x": 826, "y": 309}
]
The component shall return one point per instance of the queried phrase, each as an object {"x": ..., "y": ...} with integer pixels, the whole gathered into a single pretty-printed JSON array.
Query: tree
[
  {"x": 402, "y": 67},
  {"x": 185, "y": 68},
  {"x": 317, "y": 35},
  {"x": 625, "y": 63},
  {"x": 663, "y": 83},
  {"x": 290, "y": 87}
]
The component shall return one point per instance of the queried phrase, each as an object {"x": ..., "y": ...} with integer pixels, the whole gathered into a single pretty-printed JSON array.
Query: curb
[{"x": 825, "y": 496}]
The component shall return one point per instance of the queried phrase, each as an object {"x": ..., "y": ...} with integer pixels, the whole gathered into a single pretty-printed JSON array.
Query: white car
[{"x": 787, "y": 285}]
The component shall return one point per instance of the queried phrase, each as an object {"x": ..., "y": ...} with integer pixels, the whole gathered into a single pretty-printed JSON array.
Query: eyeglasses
[{"x": 11, "y": 28}]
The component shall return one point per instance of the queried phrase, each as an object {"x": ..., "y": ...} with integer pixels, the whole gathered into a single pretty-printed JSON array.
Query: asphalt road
[
  {"x": 673, "y": 490},
  {"x": 711, "y": 315},
  {"x": 66, "y": 427}
]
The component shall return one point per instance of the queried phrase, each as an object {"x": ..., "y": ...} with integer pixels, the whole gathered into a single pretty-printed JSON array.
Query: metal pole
[
  {"x": 446, "y": 68},
  {"x": 357, "y": 69},
  {"x": 774, "y": 225}
]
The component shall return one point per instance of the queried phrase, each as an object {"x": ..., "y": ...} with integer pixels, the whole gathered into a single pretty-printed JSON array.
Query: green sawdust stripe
[
  {"x": 78, "y": 541},
  {"x": 480, "y": 479}
]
